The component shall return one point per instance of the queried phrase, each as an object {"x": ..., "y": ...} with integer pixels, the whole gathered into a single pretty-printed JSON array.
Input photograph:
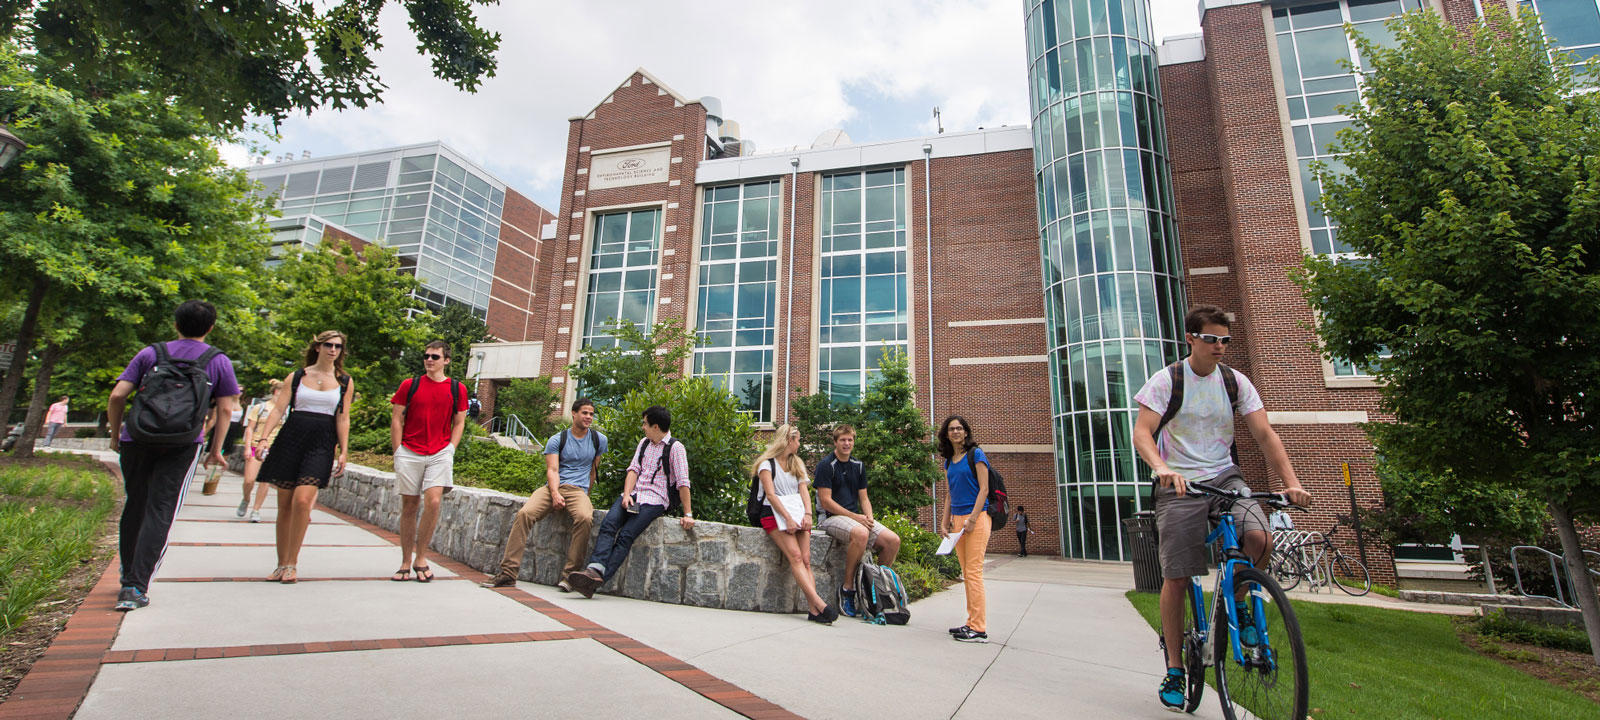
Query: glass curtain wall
[
  {"x": 1575, "y": 25},
  {"x": 864, "y": 305},
  {"x": 1114, "y": 299},
  {"x": 1312, "y": 50},
  {"x": 622, "y": 273},
  {"x": 736, "y": 318}
]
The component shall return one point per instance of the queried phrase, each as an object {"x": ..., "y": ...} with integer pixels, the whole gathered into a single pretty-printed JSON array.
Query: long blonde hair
[{"x": 780, "y": 442}]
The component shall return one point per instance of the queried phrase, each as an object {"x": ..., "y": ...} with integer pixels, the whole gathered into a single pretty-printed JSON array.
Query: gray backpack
[{"x": 880, "y": 598}]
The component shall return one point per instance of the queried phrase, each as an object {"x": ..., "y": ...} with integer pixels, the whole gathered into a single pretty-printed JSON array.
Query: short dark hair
[
  {"x": 1203, "y": 315},
  {"x": 195, "y": 318},
  {"x": 580, "y": 402},
  {"x": 659, "y": 417},
  {"x": 1020, "y": 509},
  {"x": 444, "y": 348}
]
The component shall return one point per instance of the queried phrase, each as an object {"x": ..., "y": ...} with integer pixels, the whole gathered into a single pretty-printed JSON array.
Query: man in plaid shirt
[{"x": 644, "y": 498}]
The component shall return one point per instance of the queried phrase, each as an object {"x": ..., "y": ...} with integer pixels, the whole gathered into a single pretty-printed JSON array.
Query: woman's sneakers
[
  {"x": 1172, "y": 690},
  {"x": 243, "y": 506},
  {"x": 826, "y": 617},
  {"x": 968, "y": 635}
]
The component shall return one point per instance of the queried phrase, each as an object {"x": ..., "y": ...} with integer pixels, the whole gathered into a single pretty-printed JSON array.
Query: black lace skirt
[{"x": 303, "y": 452}]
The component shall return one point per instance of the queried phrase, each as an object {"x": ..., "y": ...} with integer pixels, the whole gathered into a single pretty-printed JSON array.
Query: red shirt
[{"x": 429, "y": 419}]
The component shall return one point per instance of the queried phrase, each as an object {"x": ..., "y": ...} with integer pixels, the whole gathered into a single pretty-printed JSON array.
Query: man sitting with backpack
[
  {"x": 841, "y": 482},
  {"x": 178, "y": 382},
  {"x": 660, "y": 465},
  {"x": 572, "y": 460}
]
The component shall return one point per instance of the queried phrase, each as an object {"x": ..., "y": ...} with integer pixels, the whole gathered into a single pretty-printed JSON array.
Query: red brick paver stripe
[
  {"x": 718, "y": 691},
  {"x": 59, "y": 679},
  {"x": 170, "y": 654},
  {"x": 303, "y": 579},
  {"x": 240, "y": 521}
]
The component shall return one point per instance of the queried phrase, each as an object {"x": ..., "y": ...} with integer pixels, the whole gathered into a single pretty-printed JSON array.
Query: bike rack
[
  {"x": 1306, "y": 543},
  {"x": 1558, "y": 572}
]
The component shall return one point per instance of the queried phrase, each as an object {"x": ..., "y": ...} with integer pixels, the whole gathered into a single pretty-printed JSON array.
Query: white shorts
[{"x": 414, "y": 473}]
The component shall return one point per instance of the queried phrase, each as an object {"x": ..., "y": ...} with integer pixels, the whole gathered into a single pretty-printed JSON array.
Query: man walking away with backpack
[
  {"x": 660, "y": 466},
  {"x": 1184, "y": 432},
  {"x": 572, "y": 460},
  {"x": 841, "y": 482},
  {"x": 428, "y": 415},
  {"x": 178, "y": 383}
]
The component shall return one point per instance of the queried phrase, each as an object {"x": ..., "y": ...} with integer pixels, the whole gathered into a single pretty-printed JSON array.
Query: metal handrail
[
  {"x": 1557, "y": 573},
  {"x": 512, "y": 426}
]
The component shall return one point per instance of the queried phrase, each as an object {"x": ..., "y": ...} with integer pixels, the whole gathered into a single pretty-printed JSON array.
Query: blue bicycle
[{"x": 1255, "y": 644}]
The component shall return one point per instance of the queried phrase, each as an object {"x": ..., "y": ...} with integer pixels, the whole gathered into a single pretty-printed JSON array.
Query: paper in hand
[{"x": 949, "y": 543}]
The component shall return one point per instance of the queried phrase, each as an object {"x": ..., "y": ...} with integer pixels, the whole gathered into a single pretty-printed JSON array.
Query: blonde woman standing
[
  {"x": 312, "y": 447},
  {"x": 786, "y": 514},
  {"x": 255, "y": 420}
]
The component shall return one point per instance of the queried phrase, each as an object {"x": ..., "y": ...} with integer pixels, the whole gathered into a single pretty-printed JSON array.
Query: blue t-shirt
[
  {"x": 578, "y": 457},
  {"x": 964, "y": 485}
]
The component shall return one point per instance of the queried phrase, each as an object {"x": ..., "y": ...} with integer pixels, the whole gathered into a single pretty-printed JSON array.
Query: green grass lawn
[
  {"x": 51, "y": 513},
  {"x": 1379, "y": 663}
]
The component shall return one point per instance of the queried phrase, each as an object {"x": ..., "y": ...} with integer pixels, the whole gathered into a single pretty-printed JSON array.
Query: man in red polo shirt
[{"x": 429, "y": 413}]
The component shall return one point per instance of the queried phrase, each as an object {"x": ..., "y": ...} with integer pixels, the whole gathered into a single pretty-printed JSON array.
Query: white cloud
[{"x": 785, "y": 71}]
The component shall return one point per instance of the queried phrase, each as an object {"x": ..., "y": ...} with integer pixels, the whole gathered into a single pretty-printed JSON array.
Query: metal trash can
[{"x": 1141, "y": 531}]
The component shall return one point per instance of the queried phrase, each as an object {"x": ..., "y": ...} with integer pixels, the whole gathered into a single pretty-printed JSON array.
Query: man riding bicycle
[{"x": 1190, "y": 406}]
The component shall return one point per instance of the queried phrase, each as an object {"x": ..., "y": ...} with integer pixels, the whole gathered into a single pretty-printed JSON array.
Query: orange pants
[{"x": 969, "y": 550}]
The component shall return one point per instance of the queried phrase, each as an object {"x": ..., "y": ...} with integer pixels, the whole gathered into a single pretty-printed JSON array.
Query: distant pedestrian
[
  {"x": 660, "y": 465},
  {"x": 178, "y": 381},
  {"x": 314, "y": 443},
  {"x": 572, "y": 461},
  {"x": 968, "y": 498},
  {"x": 1020, "y": 522},
  {"x": 786, "y": 515},
  {"x": 255, "y": 420},
  {"x": 474, "y": 407},
  {"x": 427, "y": 416},
  {"x": 54, "y": 418}
]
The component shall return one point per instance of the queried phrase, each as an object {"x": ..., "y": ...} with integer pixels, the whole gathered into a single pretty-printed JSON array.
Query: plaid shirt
[{"x": 652, "y": 484}]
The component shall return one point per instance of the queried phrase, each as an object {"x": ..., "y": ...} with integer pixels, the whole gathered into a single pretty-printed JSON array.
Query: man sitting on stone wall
[
  {"x": 659, "y": 465},
  {"x": 841, "y": 483},
  {"x": 572, "y": 459}
]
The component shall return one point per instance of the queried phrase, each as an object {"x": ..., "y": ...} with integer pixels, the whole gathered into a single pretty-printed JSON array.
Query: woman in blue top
[{"x": 968, "y": 498}]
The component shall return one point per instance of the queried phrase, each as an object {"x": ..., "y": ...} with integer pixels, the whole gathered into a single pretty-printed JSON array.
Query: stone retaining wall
[
  {"x": 1557, "y": 616},
  {"x": 711, "y": 565},
  {"x": 1478, "y": 599},
  {"x": 68, "y": 443}
]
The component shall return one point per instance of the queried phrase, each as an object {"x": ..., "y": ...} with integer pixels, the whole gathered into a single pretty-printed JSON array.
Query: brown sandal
[
  {"x": 424, "y": 573},
  {"x": 402, "y": 575}
]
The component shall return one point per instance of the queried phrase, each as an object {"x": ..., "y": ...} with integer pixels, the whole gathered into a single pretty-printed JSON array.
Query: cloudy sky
[{"x": 785, "y": 70}]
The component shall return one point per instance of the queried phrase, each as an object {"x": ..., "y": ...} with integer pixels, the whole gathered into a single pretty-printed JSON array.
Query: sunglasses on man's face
[
  {"x": 432, "y": 356},
  {"x": 1210, "y": 339},
  {"x": 333, "y": 345}
]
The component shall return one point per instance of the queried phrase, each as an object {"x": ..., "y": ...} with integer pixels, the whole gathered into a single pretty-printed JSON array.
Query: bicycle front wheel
[
  {"x": 1351, "y": 576},
  {"x": 1268, "y": 679}
]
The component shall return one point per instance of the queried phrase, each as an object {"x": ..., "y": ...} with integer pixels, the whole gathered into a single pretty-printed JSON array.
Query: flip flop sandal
[
  {"x": 277, "y": 574},
  {"x": 424, "y": 574},
  {"x": 402, "y": 575},
  {"x": 290, "y": 580}
]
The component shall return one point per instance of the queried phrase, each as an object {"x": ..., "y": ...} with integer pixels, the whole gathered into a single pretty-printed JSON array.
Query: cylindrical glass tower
[{"x": 1112, "y": 271}]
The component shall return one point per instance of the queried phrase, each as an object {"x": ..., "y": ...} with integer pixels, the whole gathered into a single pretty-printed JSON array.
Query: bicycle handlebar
[{"x": 1276, "y": 500}]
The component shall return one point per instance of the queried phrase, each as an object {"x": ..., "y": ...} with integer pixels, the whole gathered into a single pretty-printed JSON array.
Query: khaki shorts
[
  {"x": 839, "y": 528},
  {"x": 414, "y": 473},
  {"x": 1184, "y": 522}
]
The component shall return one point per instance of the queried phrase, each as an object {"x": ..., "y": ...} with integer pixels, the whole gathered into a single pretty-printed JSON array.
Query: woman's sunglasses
[
  {"x": 1210, "y": 339},
  {"x": 333, "y": 345}
]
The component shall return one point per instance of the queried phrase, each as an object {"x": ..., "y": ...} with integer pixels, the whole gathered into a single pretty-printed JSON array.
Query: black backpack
[
  {"x": 997, "y": 491},
  {"x": 1175, "y": 370},
  {"x": 173, "y": 400},
  {"x": 456, "y": 388},
  {"x": 753, "y": 507},
  {"x": 561, "y": 445},
  {"x": 674, "y": 503},
  {"x": 294, "y": 389}
]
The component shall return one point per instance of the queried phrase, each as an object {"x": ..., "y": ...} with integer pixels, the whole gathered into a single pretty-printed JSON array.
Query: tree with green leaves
[
  {"x": 1473, "y": 193},
  {"x": 456, "y": 324},
  {"x": 120, "y": 209},
  {"x": 608, "y": 373},
  {"x": 363, "y": 294},
  {"x": 240, "y": 59},
  {"x": 535, "y": 401}
]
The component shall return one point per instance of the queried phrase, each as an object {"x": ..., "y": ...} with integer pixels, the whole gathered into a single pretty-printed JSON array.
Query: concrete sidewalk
[{"x": 347, "y": 642}]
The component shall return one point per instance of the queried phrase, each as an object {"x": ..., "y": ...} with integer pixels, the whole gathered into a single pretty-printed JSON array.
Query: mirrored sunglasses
[{"x": 1210, "y": 339}]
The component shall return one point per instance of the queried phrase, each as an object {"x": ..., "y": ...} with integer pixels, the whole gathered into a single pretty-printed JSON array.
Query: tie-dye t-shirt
[{"x": 1199, "y": 440}]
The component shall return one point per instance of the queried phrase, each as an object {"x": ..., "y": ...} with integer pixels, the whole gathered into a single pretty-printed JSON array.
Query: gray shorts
[
  {"x": 839, "y": 528},
  {"x": 1184, "y": 522}
]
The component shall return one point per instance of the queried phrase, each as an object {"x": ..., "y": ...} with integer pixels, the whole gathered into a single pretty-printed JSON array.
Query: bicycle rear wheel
[
  {"x": 1194, "y": 662},
  {"x": 1351, "y": 576},
  {"x": 1285, "y": 568},
  {"x": 1270, "y": 681}
]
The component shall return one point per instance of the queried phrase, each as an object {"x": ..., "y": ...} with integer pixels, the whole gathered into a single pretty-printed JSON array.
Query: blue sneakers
[
  {"x": 1249, "y": 636},
  {"x": 847, "y": 602},
  {"x": 1172, "y": 690},
  {"x": 130, "y": 598}
]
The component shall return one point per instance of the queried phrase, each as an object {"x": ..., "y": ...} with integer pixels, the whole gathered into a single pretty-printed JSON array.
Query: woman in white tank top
[
  {"x": 312, "y": 445},
  {"x": 785, "y": 491}
]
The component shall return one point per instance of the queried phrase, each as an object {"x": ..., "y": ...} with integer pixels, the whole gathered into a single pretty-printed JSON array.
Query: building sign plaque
[{"x": 629, "y": 167}]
